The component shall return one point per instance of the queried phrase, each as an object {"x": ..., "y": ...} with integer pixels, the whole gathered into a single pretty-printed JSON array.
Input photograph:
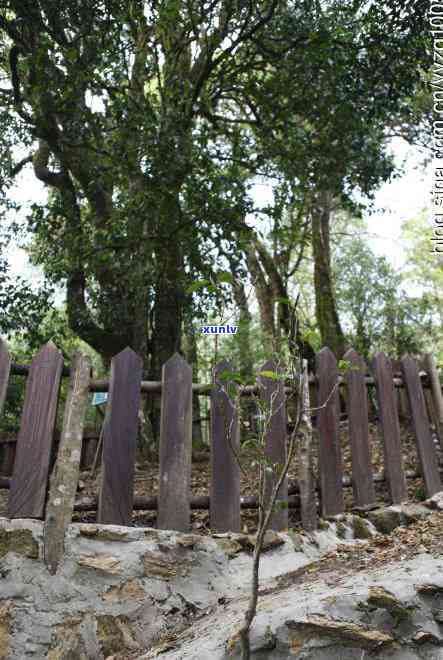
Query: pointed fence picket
[
  {"x": 5, "y": 366},
  {"x": 119, "y": 440},
  {"x": 330, "y": 460},
  {"x": 29, "y": 483},
  {"x": 273, "y": 397},
  {"x": 430, "y": 366},
  {"x": 420, "y": 421},
  {"x": 174, "y": 511},
  {"x": 8, "y": 448},
  {"x": 225, "y": 444},
  {"x": 390, "y": 427},
  {"x": 357, "y": 399}
]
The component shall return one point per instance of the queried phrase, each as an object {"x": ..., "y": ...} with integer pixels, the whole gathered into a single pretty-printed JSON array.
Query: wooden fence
[{"x": 38, "y": 489}]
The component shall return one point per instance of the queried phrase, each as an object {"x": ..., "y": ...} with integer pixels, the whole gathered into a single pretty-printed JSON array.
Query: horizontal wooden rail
[
  {"x": 202, "y": 501},
  {"x": 155, "y": 387},
  {"x": 23, "y": 370},
  {"x": 199, "y": 502}
]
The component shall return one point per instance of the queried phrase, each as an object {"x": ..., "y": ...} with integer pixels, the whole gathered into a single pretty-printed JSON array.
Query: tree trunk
[
  {"x": 168, "y": 297},
  {"x": 325, "y": 306},
  {"x": 264, "y": 299},
  {"x": 245, "y": 360},
  {"x": 191, "y": 356}
]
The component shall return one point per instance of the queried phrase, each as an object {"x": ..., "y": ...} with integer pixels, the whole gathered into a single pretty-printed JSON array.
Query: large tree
[
  {"x": 111, "y": 97},
  {"x": 145, "y": 120},
  {"x": 341, "y": 80}
]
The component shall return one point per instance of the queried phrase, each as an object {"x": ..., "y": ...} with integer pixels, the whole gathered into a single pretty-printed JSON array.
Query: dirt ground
[{"x": 147, "y": 477}]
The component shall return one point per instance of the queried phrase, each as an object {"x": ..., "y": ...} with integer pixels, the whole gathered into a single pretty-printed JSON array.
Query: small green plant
[{"x": 420, "y": 494}]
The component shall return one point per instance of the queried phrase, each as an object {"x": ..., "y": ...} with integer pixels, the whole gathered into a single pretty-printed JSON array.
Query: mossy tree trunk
[{"x": 325, "y": 306}]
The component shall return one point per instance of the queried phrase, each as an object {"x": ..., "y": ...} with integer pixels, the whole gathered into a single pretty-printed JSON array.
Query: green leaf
[
  {"x": 224, "y": 276},
  {"x": 344, "y": 366},
  {"x": 272, "y": 375},
  {"x": 195, "y": 286}
]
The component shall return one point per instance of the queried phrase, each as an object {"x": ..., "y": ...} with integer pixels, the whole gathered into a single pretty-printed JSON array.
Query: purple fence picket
[
  {"x": 430, "y": 366},
  {"x": 357, "y": 400},
  {"x": 330, "y": 460},
  {"x": 390, "y": 427},
  {"x": 7, "y": 455},
  {"x": 119, "y": 440},
  {"x": 273, "y": 396},
  {"x": 5, "y": 366},
  {"x": 420, "y": 421},
  {"x": 225, "y": 471},
  {"x": 29, "y": 483},
  {"x": 174, "y": 511}
]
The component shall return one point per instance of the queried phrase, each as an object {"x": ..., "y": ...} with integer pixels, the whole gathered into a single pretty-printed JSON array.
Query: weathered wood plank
[
  {"x": 330, "y": 460},
  {"x": 420, "y": 421},
  {"x": 305, "y": 453},
  {"x": 7, "y": 452},
  {"x": 225, "y": 470},
  {"x": 89, "y": 447},
  {"x": 430, "y": 366},
  {"x": 119, "y": 440},
  {"x": 5, "y": 368},
  {"x": 64, "y": 479},
  {"x": 273, "y": 398},
  {"x": 27, "y": 495},
  {"x": 363, "y": 486},
  {"x": 174, "y": 511},
  {"x": 390, "y": 427}
]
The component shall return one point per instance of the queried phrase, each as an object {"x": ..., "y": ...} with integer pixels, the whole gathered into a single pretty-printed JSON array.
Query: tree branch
[{"x": 20, "y": 165}]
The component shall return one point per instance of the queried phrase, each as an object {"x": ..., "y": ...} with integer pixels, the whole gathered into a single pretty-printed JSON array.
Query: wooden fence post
[
  {"x": 174, "y": 510},
  {"x": 304, "y": 448},
  {"x": 420, "y": 421},
  {"x": 225, "y": 470},
  {"x": 390, "y": 427},
  {"x": 362, "y": 483},
  {"x": 5, "y": 366},
  {"x": 119, "y": 440},
  {"x": 64, "y": 479},
  {"x": 7, "y": 452},
  {"x": 431, "y": 367},
  {"x": 273, "y": 397},
  {"x": 330, "y": 460},
  {"x": 27, "y": 495}
]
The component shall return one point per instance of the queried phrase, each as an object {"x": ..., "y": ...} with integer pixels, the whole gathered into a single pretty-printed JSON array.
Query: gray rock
[
  {"x": 130, "y": 592},
  {"x": 436, "y": 501},
  {"x": 388, "y": 518},
  {"x": 321, "y": 623}
]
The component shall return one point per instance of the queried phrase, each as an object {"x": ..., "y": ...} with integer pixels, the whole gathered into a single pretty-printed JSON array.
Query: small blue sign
[{"x": 98, "y": 398}]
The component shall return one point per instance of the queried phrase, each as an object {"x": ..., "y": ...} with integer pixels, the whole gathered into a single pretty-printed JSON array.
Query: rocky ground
[
  {"x": 382, "y": 598},
  {"x": 355, "y": 588},
  {"x": 378, "y": 596}
]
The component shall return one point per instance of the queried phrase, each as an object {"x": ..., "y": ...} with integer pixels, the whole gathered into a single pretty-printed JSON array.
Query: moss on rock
[{"x": 19, "y": 541}]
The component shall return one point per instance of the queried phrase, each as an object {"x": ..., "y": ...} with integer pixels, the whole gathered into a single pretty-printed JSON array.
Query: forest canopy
[{"x": 149, "y": 124}]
